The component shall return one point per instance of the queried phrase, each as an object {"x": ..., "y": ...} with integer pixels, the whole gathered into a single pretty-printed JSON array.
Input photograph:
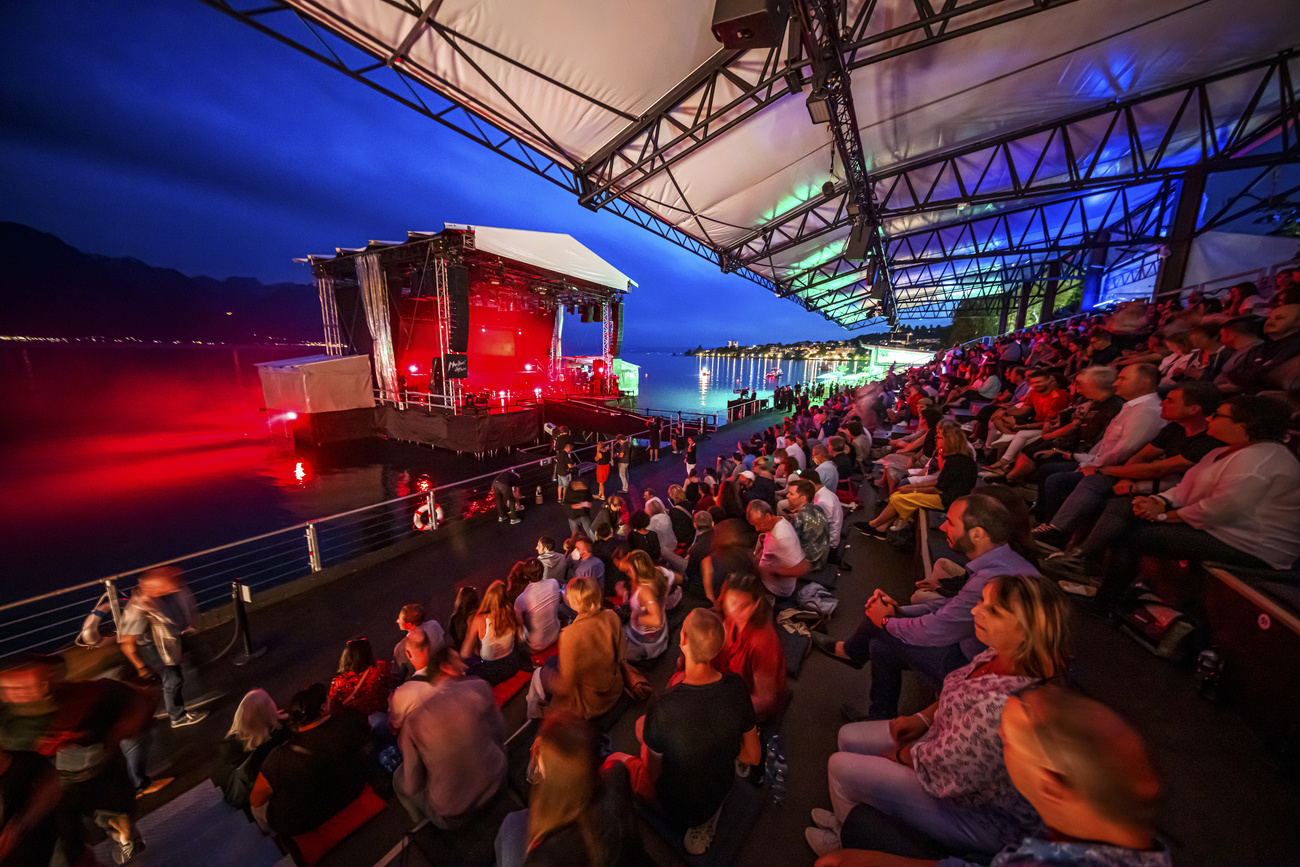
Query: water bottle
[{"x": 778, "y": 771}]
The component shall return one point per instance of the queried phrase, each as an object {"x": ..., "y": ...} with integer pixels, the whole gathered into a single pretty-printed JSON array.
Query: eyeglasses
[{"x": 1222, "y": 416}]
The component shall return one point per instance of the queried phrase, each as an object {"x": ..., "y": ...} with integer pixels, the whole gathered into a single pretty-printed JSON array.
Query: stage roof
[{"x": 999, "y": 135}]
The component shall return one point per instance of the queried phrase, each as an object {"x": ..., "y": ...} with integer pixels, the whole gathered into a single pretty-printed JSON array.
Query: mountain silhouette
[{"x": 51, "y": 289}]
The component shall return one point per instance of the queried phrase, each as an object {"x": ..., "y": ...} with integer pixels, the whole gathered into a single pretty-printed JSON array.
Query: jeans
[
  {"x": 622, "y": 477},
  {"x": 1164, "y": 542},
  {"x": 858, "y": 774},
  {"x": 581, "y": 523},
  {"x": 1085, "y": 503},
  {"x": 173, "y": 682},
  {"x": 136, "y": 749},
  {"x": 890, "y": 656},
  {"x": 1051, "y": 495},
  {"x": 512, "y": 840},
  {"x": 542, "y": 687}
]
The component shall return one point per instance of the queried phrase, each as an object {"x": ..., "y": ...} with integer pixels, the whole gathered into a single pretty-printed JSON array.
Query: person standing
[
  {"x": 655, "y": 433},
  {"x": 622, "y": 458},
  {"x": 154, "y": 625},
  {"x": 505, "y": 491},
  {"x": 692, "y": 452},
  {"x": 602, "y": 468},
  {"x": 564, "y": 467}
]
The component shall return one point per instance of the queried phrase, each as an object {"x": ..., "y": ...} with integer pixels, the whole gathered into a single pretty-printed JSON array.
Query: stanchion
[{"x": 241, "y": 594}]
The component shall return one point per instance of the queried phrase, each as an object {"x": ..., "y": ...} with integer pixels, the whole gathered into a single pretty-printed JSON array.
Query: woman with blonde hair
[
  {"x": 958, "y": 473},
  {"x": 256, "y": 730},
  {"x": 647, "y": 626},
  {"x": 489, "y": 648},
  {"x": 586, "y": 676},
  {"x": 941, "y": 770},
  {"x": 577, "y": 815}
]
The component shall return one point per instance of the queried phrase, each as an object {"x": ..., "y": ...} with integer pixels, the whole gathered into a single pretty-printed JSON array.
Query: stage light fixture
[
  {"x": 414, "y": 369},
  {"x": 819, "y": 106},
  {"x": 291, "y": 416},
  {"x": 828, "y": 189}
]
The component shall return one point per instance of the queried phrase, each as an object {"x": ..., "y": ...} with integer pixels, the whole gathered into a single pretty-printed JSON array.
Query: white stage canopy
[{"x": 999, "y": 135}]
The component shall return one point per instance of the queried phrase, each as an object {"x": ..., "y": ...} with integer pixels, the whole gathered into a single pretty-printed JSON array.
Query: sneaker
[
  {"x": 126, "y": 852},
  {"x": 826, "y": 645},
  {"x": 190, "y": 719},
  {"x": 699, "y": 838},
  {"x": 501, "y": 519},
  {"x": 823, "y": 842},
  {"x": 1070, "y": 562},
  {"x": 826, "y": 819},
  {"x": 868, "y": 530},
  {"x": 516, "y": 520}
]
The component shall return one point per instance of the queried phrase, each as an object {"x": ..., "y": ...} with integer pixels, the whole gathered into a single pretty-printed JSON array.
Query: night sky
[{"x": 167, "y": 131}]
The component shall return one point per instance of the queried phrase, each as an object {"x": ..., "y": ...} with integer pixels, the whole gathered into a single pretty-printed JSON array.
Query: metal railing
[
  {"x": 50, "y": 621},
  {"x": 701, "y": 421}
]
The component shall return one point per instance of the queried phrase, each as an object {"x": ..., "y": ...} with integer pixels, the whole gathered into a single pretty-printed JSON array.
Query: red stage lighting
[
  {"x": 291, "y": 416},
  {"x": 414, "y": 368}
]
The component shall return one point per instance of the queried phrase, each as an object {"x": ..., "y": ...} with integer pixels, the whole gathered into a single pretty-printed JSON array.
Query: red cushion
[
  {"x": 315, "y": 845},
  {"x": 507, "y": 689},
  {"x": 540, "y": 657}
]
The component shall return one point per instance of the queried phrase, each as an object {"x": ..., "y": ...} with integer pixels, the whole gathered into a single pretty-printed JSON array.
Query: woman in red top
[
  {"x": 363, "y": 683},
  {"x": 752, "y": 649}
]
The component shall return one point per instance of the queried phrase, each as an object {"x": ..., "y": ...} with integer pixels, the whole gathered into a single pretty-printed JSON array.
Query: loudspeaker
[
  {"x": 616, "y": 318},
  {"x": 586, "y": 313},
  {"x": 458, "y": 315},
  {"x": 741, "y": 24},
  {"x": 880, "y": 288},
  {"x": 855, "y": 249},
  {"x": 597, "y": 313}
]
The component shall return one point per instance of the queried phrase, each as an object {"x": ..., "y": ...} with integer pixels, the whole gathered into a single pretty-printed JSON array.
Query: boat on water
[{"x": 774, "y": 373}]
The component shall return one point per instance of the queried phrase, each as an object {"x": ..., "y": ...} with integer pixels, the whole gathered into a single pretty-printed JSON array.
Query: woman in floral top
[
  {"x": 362, "y": 683},
  {"x": 941, "y": 770}
]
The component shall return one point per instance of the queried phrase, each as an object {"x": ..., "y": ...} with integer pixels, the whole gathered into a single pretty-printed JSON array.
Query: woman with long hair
[
  {"x": 646, "y": 635},
  {"x": 577, "y": 816},
  {"x": 462, "y": 614},
  {"x": 489, "y": 648},
  {"x": 958, "y": 473},
  {"x": 752, "y": 648},
  {"x": 256, "y": 730},
  {"x": 941, "y": 770},
  {"x": 363, "y": 683}
]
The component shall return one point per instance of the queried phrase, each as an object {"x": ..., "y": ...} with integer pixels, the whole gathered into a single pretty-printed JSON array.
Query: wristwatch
[{"x": 1163, "y": 516}]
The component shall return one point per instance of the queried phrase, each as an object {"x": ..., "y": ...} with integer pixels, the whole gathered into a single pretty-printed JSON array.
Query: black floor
[{"x": 1226, "y": 803}]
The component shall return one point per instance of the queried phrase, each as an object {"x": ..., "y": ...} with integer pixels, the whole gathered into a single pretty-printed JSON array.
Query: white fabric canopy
[
  {"x": 596, "y": 85},
  {"x": 317, "y": 383},
  {"x": 550, "y": 250}
]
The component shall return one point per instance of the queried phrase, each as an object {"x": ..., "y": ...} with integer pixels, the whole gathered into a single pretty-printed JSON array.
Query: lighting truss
[{"x": 1101, "y": 148}]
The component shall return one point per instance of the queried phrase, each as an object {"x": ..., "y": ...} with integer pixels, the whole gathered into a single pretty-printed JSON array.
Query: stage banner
[{"x": 456, "y": 365}]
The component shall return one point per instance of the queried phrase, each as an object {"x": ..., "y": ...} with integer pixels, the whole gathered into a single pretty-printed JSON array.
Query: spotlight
[
  {"x": 528, "y": 366},
  {"x": 413, "y": 368},
  {"x": 828, "y": 189},
  {"x": 819, "y": 106},
  {"x": 291, "y": 416}
]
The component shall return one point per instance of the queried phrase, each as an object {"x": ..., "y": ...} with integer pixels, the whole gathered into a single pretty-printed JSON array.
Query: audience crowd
[{"x": 1154, "y": 431}]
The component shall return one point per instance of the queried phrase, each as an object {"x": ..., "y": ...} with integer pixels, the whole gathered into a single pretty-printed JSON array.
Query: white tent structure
[{"x": 989, "y": 148}]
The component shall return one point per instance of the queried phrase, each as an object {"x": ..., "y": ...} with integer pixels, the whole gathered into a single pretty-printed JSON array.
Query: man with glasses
[{"x": 1102, "y": 349}]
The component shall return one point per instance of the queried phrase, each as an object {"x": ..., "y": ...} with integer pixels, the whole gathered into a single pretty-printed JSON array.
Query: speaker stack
[{"x": 458, "y": 314}]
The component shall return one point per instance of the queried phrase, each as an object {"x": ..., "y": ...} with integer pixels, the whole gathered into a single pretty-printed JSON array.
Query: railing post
[
  {"x": 114, "y": 603},
  {"x": 249, "y": 653},
  {"x": 313, "y": 548},
  {"x": 433, "y": 512}
]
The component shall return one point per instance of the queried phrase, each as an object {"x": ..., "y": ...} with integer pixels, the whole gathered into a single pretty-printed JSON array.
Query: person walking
[{"x": 622, "y": 458}]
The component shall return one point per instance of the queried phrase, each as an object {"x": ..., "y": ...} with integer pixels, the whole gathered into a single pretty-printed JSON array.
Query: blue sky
[{"x": 169, "y": 132}]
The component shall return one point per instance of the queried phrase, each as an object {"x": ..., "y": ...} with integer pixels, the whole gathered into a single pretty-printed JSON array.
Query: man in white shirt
[
  {"x": 417, "y": 688},
  {"x": 793, "y": 449},
  {"x": 779, "y": 554},
  {"x": 1136, "y": 425},
  {"x": 826, "y": 467}
]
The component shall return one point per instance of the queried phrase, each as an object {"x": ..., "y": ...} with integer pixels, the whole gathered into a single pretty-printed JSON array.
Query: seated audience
[
  {"x": 586, "y": 676},
  {"x": 692, "y": 735},
  {"x": 318, "y": 770},
  {"x": 646, "y": 634},
  {"x": 578, "y": 815},
  {"x": 552, "y": 560},
  {"x": 642, "y": 538},
  {"x": 941, "y": 770},
  {"x": 752, "y": 649},
  {"x": 1085, "y": 772},
  {"x": 538, "y": 610},
  {"x": 958, "y": 473},
  {"x": 489, "y": 648},
  {"x": 780, "y": 556},
  {"x": 1239, "y": 505},
  {"x": 412, "y": 616},
  {"x": 588, "y": 565},
  {"x": 255, "y": 731},
  {"x": 416, "y": 688},
  {"x": 810, "y": 523},
  {"x": 362, "y": 683},
  {"x": 938, "y": 636},
  {"x": 693, "y": 579},
  {"x": 453, "y": 747},
  {"x": 463, "y": 611}
]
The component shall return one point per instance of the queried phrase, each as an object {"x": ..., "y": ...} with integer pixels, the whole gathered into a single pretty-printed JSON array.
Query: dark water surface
[{"x": 116, "y": 456}]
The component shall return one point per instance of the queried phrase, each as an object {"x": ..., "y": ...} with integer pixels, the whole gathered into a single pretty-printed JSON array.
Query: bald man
[{"x": 1088, "y": 775}]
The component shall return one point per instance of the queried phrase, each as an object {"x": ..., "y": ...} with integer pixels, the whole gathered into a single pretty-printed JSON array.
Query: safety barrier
[{"x": 51, "y": 621}]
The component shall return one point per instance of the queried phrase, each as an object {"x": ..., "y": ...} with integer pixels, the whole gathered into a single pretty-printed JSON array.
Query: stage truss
[{"x": 1081, "y": 158}]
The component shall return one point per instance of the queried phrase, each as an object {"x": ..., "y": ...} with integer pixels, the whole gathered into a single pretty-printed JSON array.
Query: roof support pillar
[
  {"x": 1022, "y": 303},
  {"x": 1174, "y": 267},
  {"x": 1004, "y": 313},
  {"x": 1049, "y": 291},
  {"x": 1095, "y": 257}
]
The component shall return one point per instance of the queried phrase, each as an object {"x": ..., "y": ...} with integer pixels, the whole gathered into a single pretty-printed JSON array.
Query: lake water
[{"x": 115, "y": 456}]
